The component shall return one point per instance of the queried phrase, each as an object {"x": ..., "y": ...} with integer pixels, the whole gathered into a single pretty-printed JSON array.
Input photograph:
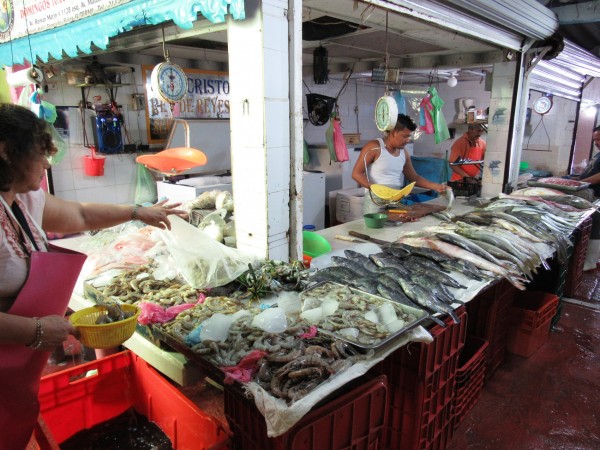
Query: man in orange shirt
[{"x": 468, "y": 147}]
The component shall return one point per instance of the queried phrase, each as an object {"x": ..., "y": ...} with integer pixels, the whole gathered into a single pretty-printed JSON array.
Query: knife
[
  {"x": 343, "y": 237},
  {"x": 368, "y": 238}
]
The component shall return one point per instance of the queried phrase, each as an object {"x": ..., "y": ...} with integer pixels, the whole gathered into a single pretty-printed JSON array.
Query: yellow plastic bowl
[
  {"x": 375, "y": 220},
  {"x": 105, "y": 335}
]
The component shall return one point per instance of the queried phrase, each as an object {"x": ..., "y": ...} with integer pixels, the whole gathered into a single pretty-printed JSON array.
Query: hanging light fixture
[
  {"x": 320, "y": 65},
  {"x": 452, "y": 81}
]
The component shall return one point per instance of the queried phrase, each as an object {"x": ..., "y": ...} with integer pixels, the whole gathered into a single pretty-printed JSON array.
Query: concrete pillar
[
  {"x": 260, "y": 128},
  {"x": 498, "y": 128}
]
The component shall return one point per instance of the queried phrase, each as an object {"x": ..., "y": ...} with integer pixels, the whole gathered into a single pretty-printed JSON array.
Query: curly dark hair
[{"x": 23, "y": 136}]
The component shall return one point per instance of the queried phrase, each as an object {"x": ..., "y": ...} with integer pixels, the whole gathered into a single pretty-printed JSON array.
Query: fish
[
  {"x": 395, "y": 295},
  {"x": 454, "y": 250},
  {"x": 468, "y": 245},
  {"x": 527, "y": 267},
  {"x": 385, "y": 261},
  {"x": 366, "y": 284},
  {"x": 426, "y": 252},
  {"x": 362, "y": 259},
  {"x": 438, "y": 289},
  {"x": 397, "y": 251},
  {"x": 423, "y": 297},
  {"x": 464, "y": 267},
  {"x": 338, "y": 274},
  {"x": 449, "y": 193},
  {"x": 496, "y": 237},
  {"x": 355, "y": 266}
]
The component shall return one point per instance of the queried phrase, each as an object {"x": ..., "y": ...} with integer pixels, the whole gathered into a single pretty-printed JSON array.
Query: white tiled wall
[
  {"x": 548, "y": 139},
  {"x": 117, "y": 185},
  {"x": 357, "y": 106}
]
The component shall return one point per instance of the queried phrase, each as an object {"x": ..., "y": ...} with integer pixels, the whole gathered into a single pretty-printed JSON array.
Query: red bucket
[{"x": 94, "y": 164}]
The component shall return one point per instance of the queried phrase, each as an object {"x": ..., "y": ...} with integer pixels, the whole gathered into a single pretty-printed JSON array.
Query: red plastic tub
[{"x": 86, "y": 395}]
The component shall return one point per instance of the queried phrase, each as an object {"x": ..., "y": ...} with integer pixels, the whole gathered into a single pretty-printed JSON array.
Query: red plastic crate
[
  {"x": 86, "y": 395},
  {"x": 524, "y": 342},
  {"x": 470, "y": 377},
  {"x": 532, "y": 308},
  {"x": 577, "y": 261},
  {"x": 421, "y": 382},
  {"x": 489, "y": 317},
  {"x": 353, "y": 421}
]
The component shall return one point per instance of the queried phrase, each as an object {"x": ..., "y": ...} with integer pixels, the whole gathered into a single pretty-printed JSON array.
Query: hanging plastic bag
[
  {"x": 60, "y": 145},
  {"x": 306, "y": 155},
  {"x": 400, "y": 101},
  {"x": 329, "y": 140},
  {"x": 145, "y": 186},
  {"x": 341, "y": 151},
  {"x": 47, "y": 111},
  {"x": 439, "y": 121},
  {"x": 427, "y": 111},
  {"x": 202, "y": 261}
]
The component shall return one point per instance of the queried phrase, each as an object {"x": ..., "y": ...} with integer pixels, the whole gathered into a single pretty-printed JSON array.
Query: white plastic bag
[{"x": 202, "y": 261}]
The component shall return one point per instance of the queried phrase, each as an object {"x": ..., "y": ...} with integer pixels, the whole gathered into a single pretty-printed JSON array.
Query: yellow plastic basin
[{"x": 389, "y": 194}]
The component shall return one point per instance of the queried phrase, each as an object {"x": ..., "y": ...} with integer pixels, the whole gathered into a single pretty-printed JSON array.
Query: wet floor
[{"x": 550, "y": 400}]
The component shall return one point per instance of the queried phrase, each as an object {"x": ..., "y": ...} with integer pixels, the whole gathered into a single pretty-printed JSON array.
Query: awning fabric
[{"x": 79, "y": 35}]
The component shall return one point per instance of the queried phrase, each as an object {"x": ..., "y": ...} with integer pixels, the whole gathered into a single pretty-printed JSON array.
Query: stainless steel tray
[{"x": 420, "y": 314}]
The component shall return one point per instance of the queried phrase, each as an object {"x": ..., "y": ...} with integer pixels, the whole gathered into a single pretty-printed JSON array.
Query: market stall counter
[
  {"x": 171, "y": 363},
  {"x": 437, "y": 347}
]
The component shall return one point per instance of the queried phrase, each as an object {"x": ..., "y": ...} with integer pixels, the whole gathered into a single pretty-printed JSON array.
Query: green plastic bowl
[
  {"x": 314, "y": 244},
  {"x": 375, "y": 220}
]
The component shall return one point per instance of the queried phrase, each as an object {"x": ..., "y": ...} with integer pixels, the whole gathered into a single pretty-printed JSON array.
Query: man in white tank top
[{"x": 388, "y": 163}]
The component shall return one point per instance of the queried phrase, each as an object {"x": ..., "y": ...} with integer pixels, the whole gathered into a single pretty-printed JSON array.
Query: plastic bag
[
  {"x": 305, "y": 154},
  {"x": 341, "y": 151},
  {"x": 329, "y": 140},
  {"x": 145, "y": 186},
  {"x": 400, "y": 102},
  {"x": 60, "y": 145},
  {"x": 201, "y": 260}
]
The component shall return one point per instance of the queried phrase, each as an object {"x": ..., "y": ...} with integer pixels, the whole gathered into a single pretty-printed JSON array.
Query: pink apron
[{"x": 47, "y": 290}]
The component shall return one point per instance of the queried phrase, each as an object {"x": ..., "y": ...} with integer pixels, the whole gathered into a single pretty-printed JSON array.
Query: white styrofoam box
[
  {"x": 182, "y": 193},
  {"x": 349, "y": 204}
]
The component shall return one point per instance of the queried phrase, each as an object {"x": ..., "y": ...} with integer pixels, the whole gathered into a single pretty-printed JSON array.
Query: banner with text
[
  {"x": 27, "y": 17},
  {"x": 207, "y": 98}
]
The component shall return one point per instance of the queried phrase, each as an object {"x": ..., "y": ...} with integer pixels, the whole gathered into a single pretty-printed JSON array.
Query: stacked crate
[
  {"x": 575, "y": 270},
  {"x": 489, "y": 315},
  {"x": 531, "y": 316},
  {"x": 355, "y": 420},
  {"x": 421, "y": 383},
  {"x": 470, "y": 377}
]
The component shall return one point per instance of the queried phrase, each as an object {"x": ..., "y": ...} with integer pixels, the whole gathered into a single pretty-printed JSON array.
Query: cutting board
[{"x": 410, "y": 213}]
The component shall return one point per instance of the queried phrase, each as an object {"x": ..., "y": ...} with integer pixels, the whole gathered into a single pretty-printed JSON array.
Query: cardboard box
[{"x": 349, "y": 204}]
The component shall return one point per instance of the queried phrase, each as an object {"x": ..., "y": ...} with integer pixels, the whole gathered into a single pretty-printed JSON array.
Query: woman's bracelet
[
  {"x": 134, "y": 212},
  {"x": 39, "y": 333}
]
